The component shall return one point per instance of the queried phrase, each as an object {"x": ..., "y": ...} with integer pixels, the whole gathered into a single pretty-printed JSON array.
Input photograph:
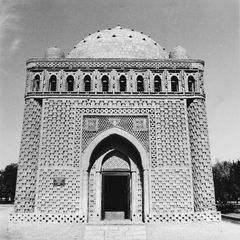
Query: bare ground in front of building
[
  {"x": 217, "y": 231},
  {"x": 5, "y": 209}
]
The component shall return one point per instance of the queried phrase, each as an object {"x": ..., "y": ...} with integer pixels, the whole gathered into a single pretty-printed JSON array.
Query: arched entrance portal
[{"x": 117, "y": 180}]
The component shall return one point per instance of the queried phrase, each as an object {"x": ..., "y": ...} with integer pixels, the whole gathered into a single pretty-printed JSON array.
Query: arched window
[
  {"x": 105, "y": 83},
  {"x": 174, "y": 84},
  {"x": 122, "y": 83},
  {"x": 140, "y": 86},
  {"x": 36, "y": 83},
  {"x": 191, "y": 84},
  {"x": 52, "y": 83},
  {"x": 157, "y": 84},
  {"x": 87, "y": 83},
  {"x": 70, "y": 83}
]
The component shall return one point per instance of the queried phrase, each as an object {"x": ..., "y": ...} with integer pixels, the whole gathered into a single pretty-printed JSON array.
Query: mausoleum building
[{"x": 116, "y": 130}]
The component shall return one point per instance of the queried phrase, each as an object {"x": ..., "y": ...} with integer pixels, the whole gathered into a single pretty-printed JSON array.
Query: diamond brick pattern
[
  {"x": 28, "y": 159},
  {"x": 201, "y": 160}
]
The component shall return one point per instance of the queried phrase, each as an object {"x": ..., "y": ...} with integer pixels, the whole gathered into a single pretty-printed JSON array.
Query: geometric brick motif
[
  {"x": 115, "y": 162},
  {"x": 64, "y": 138},
  {"x": 207, "y": 216},
  {"x": 28, "y": 158},
  {"x": 201, "y": 159},
  {"x": 57, "y": 134},
  {"x": 107, "y": 122},
  {"x": 172, "y": 135},
  {"x": 47, "y": 218},
  {"x": 171, "y": 190},
  {"x": 112, "y": 64},
  {"x": 58, "y": 199}
]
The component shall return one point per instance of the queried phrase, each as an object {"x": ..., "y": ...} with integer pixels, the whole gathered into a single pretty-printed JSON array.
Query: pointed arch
[
  {"x": 174, "y": 84},
  {"x": 52, "y": 84},
  {"x": 125, "y": 135},
  {"x": 105, "y": 83},
  {"x": 70, "y": 83},
  {"x": 157, "y": 84},
  {"x": 36, "y": 83},
  {"x": 93, "y": 157},
  {"x": 191, "y": 84},
  {"x": 122, "y": 83},
  {"x": 140, "y": 83},
  {"x": 87, "y": 83}
]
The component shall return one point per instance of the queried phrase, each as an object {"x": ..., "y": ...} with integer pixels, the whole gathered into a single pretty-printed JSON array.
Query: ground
[{"x": 226, "y": 230}]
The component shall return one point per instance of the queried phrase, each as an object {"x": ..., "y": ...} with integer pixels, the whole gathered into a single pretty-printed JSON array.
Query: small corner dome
[
  {"x": 178, "y": 52},
  {"x": 54, "y": 52}
]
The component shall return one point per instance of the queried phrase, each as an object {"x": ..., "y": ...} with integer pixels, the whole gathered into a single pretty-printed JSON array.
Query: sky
[{"x": 208, "y": 29}]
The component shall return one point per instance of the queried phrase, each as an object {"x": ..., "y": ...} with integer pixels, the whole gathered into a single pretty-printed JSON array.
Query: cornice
[{"x": 73, "y": 63}]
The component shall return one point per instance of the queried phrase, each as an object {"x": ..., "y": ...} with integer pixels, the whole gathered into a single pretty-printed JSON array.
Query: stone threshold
[{"x": 115, "y": 222}]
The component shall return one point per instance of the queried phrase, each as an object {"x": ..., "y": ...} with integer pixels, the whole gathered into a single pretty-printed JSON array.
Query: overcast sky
[{"x": 208, "y": 29}]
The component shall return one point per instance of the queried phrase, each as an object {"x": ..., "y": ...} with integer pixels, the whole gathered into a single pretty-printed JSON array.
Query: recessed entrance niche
[
  {"x": 115, "y": 181},
  {"x": 115, "y": 187}
]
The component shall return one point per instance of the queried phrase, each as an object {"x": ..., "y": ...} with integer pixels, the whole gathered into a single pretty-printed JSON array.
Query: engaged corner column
[
  {"x": 134, "y": 195},
  {"x": 146, "y": 192},
  {"x": 85, "y": 194},
  {"x": 98, "y": 195}
]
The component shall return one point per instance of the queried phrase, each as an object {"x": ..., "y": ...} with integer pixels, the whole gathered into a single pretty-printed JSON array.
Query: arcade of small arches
[{"x": 122, "y": 83}]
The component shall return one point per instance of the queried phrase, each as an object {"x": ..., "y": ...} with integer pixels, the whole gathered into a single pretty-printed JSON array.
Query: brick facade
[{"x": 146, "y": 116}]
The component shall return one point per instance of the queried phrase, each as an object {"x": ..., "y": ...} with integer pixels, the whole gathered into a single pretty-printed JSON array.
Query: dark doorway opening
[{"x": 115, "y": 196}]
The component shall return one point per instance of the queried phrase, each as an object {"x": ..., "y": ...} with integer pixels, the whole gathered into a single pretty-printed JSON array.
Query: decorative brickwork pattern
[
  {"x": 58, "y": 134},
  {"x": 139, "y": 195},
  {"x": 47, "y": 218},
  {"x": 58, "y": 199},
  {"x": 170, "y": 128},
  {"x": 28, "y": 159},
  {"x": 38, "y": 81},
  {"x": 171, "y": 190},
  {"x": 92, "y": 193},
  {"x": 107, "y": 122},
  {"x": 113, "y": 64},
  {"x": 115, "y": 162},
  {"x": 208, "y": 216},
  {"x": 201, "y": 160},
  {"x": 171, "y": 178},
  {"x": 172, "y": 138},
  {"x": 65, "y": 135}
]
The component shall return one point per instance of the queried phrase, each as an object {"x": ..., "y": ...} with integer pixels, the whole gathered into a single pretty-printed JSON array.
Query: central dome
[{"x": 118, "y": 42}]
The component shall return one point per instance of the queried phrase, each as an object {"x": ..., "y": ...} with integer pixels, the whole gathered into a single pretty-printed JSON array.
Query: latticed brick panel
[
  {"x": 57, "y": 146},
  {"x": 47, "y": 218},
  {"x": 208, "y": 216},
  {"x": 171, "y": 190},
  {"x": 58, "y": 199},
  {"x": 106, "y": 122},
  {"x": 116, "y": 64},
  {"x": 172, "y": 135},
  {"x": 121, "y": 115}
]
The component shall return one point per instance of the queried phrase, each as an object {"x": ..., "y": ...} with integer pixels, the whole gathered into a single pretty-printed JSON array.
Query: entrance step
[{"x": 115, "y": 231}]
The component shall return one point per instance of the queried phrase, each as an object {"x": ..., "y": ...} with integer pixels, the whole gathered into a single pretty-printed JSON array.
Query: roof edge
[{"x": 113, "y": 60}]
